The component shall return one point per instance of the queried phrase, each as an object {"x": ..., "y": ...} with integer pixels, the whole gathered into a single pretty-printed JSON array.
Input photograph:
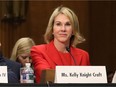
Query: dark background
[{"x": 97, "y": 24}]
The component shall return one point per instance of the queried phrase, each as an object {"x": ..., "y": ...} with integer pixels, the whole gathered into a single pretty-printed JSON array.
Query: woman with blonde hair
[
  {"x": 21, "y": 50},
  {"x": 61, "y": 37}
]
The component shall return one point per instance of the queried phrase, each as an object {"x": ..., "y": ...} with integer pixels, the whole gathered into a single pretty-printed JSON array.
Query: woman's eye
[
  {"x": 68, "y": 24},
  {"x": 58, "y": 24},
  {"x": 24, "y": 57}
]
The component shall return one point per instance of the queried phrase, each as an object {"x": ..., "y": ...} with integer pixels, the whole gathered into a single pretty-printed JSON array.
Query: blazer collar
[
  {"x": 76, "y": 54},
  {"x": 53, "y": 53}
]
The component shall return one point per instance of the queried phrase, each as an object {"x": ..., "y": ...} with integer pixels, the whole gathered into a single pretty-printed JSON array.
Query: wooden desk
[{"x": 47, "y": 75}]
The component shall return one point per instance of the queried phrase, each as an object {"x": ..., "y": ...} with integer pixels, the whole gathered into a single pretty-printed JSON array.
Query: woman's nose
[
  {"x": 63, "y": 28},
  {"x": 27, "y": 60}
]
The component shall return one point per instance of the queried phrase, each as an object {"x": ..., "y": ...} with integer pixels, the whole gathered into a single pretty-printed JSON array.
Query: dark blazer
[
  {"x": 13, "y": 69},
  {"x": 14, "y": 66}
]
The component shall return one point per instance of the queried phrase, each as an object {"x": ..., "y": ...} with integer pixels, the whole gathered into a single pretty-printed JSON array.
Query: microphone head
[{"x": 68, "y": 49}]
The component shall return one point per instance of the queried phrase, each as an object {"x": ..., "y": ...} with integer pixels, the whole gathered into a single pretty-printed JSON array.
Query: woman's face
[
  {"x": 24, "y": 58},
  {"x": 62, "y": 29}
]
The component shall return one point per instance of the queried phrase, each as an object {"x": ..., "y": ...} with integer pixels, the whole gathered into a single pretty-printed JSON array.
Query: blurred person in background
[
  {"x": 21, "y": 50},
  {"x": 13, "y": 68}
]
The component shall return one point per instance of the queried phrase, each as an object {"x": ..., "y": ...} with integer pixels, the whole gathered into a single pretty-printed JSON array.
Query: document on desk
[
  {"x": 114, "y": 78},
  {"x": 80, "y": 74},
  {"x": 3, "y": 74}
]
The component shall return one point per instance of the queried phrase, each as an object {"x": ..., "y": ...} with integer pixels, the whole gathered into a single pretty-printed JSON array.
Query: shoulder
[
  {"x": 11, "y": 63},
  {"x": 12, "y": 77},
  {"x": 13, "y": 70},
  {"x": 41, "y": 47}
]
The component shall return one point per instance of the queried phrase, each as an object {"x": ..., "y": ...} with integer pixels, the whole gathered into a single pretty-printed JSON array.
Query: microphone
[{"x": 68, "y": 49}]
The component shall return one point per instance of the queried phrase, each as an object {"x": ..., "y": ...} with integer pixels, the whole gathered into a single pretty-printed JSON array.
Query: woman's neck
[{"x": 60, "y": 46}]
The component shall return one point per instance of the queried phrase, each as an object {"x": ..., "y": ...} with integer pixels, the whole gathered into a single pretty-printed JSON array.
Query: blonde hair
[
  {"x": 76, "y": 37},
  {"x": 23, "y": 45}
]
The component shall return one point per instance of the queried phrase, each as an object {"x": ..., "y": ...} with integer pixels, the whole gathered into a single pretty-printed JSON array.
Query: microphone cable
[{"x": 68, "y": 49}]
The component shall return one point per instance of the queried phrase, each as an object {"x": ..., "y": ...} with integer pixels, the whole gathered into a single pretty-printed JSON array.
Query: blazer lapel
[
  {"x": 53, "y": 54},
  {"x": 76, "y": 55}
]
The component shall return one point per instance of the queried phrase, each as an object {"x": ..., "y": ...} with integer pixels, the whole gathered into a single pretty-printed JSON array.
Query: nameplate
[
  {"x": 3, "y": 74},
  {"x": 80, "y": 74}
]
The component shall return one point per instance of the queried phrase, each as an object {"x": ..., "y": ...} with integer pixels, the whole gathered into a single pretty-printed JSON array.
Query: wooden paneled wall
[
  {"x": 37, "y": 18},
  {"x": 97, "y": 24},
  {"x": 103, "y": 33}
]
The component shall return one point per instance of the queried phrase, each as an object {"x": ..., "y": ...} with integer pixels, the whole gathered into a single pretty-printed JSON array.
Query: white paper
[
  {"x": 3, "y": 74},
  {"x": 80, "y": 74},
  {"x": 114, "y": 78}
]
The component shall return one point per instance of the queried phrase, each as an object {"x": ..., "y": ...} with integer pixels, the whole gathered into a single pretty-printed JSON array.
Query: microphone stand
[{"x": 68, "y": 49}]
